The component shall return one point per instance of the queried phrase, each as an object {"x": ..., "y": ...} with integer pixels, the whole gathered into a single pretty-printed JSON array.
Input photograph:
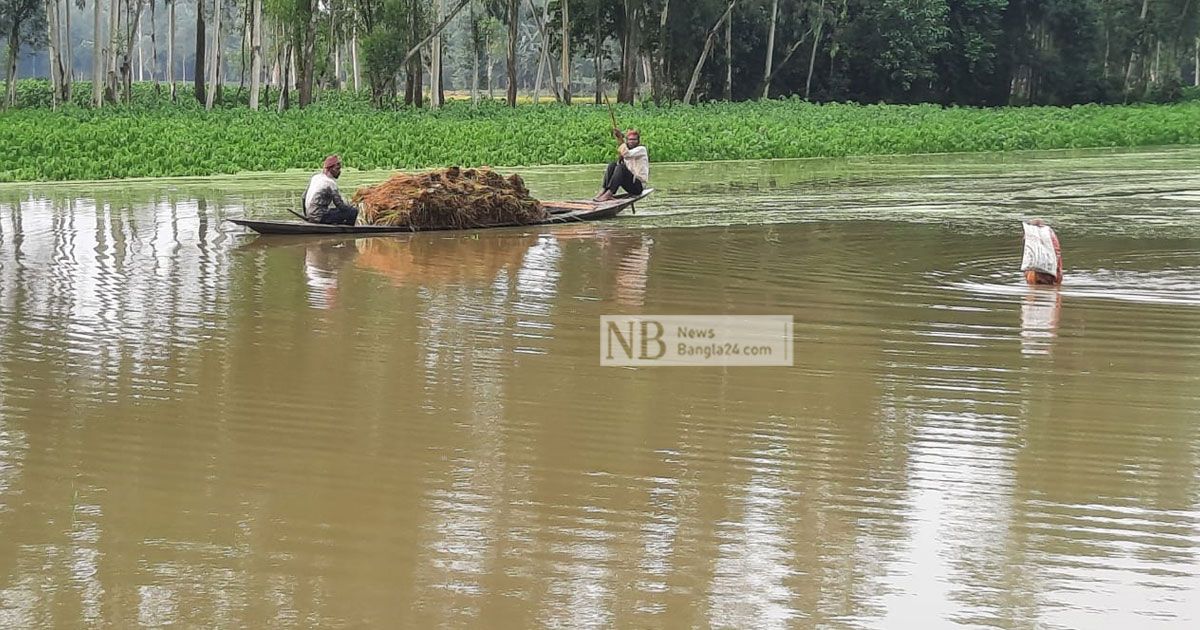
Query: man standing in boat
[
  {"x": 631, "y": 171},
  {"x": 322, "y": 201}
]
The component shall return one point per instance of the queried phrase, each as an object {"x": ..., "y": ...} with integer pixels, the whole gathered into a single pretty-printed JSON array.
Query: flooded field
[{"x": 206, "y": 428}]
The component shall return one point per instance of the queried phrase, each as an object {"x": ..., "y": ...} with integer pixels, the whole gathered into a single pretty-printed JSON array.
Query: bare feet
[{"x": 605, "y": 196}]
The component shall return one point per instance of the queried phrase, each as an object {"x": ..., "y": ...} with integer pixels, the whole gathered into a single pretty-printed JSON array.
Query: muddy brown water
[{"x": 205, "y": 428}]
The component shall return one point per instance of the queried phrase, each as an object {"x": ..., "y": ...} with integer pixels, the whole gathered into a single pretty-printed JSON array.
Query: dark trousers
[
  {"x": 618, "y": 177},
  {"x": 337, "y": 216}
]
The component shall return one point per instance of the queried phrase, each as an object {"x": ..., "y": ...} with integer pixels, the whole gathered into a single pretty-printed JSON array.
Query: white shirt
[
  {"x": 320, "y": 183},
  {"x": 637, "y": 160}
]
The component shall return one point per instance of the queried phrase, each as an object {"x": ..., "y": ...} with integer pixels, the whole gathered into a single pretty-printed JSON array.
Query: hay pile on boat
[{"x": 452, "y": 198}]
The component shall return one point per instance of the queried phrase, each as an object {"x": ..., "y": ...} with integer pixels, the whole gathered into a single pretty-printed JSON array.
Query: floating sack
[
  {"x": 1039, "y": 249},
  {"x": 451, "y": 198}
]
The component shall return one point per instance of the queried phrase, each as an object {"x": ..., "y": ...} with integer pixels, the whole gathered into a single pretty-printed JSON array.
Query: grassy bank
[{"x": 158, "y": 140}]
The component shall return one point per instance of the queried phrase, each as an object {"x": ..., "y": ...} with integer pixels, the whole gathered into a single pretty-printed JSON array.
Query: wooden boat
[{"x": 560, "y": 212}]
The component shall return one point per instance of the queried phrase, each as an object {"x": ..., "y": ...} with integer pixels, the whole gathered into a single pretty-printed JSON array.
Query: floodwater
[{"x": 205, "y": 428}]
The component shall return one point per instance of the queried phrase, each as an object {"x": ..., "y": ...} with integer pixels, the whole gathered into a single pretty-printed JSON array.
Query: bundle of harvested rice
[{"x": 449, "y": 198}]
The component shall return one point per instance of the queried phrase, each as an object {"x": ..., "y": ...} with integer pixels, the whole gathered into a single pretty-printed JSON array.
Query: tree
[
  {"x": 97, "y": 57},
  {"x": 256, "y": 52},
  {"x": 894, "y": 46},
  {"x": 171, "y": 48},
  {"x": 54, "y": 43},
  {"x": 198, "y": 72},
  {"x": 131, "y": 19},
  {"x": 20, "y": 21},
  {"x": 969, "y": 64},
  {"x": 708, "y": 44},
  {"x": 566, "y": 52},
  {"x": 630, "y": 45},
  {"x": 435, "y": 67},
  {"x": 543, "y": 28},
  {"x": 798, "y": 20},
  {"x": 512, "y": 15},
  {"x": 305, "y": 25},
  {"x": 215, "y": 59},
  {"x": 154, "y": 46},
  {"x": 770, "y": 48}
]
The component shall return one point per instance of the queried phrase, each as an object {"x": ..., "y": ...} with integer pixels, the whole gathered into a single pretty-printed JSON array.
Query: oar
[
  {"x": 611, "y": 114},
  {"x": 302, "y": 217}
]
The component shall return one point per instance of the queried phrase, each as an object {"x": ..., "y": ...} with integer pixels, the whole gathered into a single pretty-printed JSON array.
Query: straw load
[{"x": 451, "y": 198}]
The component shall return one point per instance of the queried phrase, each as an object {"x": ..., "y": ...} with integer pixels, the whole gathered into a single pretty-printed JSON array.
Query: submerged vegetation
[{"x": 146, "y": 140}]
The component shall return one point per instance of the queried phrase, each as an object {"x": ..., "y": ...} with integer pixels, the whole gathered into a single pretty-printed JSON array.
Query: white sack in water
[{"x": 1039, "y": 249}]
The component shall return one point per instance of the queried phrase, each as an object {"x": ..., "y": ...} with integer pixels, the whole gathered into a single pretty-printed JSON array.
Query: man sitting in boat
[
  {"x": 1042, "y": 261},
  {"x": 322, "y": 202},
  {"x": 631, "y": 171}
]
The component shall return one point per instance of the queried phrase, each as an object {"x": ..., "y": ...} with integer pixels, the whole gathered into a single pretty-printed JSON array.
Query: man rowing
[
  {"x": 631, "y": 171},
  {"x": 1042, "y": 261},
  {"x": 322, "y": 201}
]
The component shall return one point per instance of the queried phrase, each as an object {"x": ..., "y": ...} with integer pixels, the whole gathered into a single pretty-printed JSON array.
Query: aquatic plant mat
[{"x": 451, "y": 198}]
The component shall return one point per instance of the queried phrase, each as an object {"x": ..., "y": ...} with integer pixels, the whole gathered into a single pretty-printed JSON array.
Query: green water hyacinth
[{"x": 149, "y": 140}]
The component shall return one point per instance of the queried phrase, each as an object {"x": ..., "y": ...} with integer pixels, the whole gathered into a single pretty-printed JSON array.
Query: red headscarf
[{"x": 331, "y": 161}]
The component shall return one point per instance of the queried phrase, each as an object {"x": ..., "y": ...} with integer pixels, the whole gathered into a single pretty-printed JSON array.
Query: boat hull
[{"x": 560, "y": 212}]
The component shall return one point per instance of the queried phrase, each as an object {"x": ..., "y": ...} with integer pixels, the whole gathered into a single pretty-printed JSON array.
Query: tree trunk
[
  {"x": 97, "y": 58},
  {"x": 171, "y": 48},
  {"x": 598, "y": 62},
  {"x": 141, "y": 50},
  {"x": 729, "y": 59},
  {"x": 199, "y": 65},
  {"x": 114, "y": 36},
  {"x": 1154, "y": 70},
  {"x": 770, "y": 48},
  {"x": 537, "y": 81},
  {"x": 69, "y": 64},
  {"x": 1135, "y": 52},
  {"x": 153, "y": 48},
  {"x": 305, "y": 77},
  {"x": 543, "y": 54},
  {"x": 245, "y": 48},
  {"x": 14, "y": 49},
  {"x": 660, "y": 75},
  {"x": 255, "y": 52},
  {"x": 543, "y": 26},
  {"x": 708, "y": 44},
  {"x": 353, "y": 55},
  {"x": 335, "y": 42},
  {"x": 1196, "y": 63},
  {"x": 285, "y": 72},
  {"x": 786, "y": 58},
  {"x": 513, "y": 11},
  {"x": 132, "y": 37},
  {"x": 52, "y": 43},
  {"x": 812, "y": 58},
  {"x": 435, "y": 63},
  {"x": 214, "y": 76},
  {"x": 629, "y": 48},
  {"x": 487, "y": 49},
  {"x": 418, "y": 83},
  {"x": 1107, "y": 45},
  {"x": 475, "y": 54},
  {"x": 566, "y": 53}
]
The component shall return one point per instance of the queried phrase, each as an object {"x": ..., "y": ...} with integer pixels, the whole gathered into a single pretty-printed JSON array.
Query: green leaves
[{"x": 153, "y": 141}]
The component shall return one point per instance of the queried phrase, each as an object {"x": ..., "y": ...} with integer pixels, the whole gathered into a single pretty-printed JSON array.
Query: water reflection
[
  {"x": 204, "y": 429},
  {"x": 426, "y": 259},
  {"x": 323, "y": 261},
  {"x": 1040, "y": 310}
]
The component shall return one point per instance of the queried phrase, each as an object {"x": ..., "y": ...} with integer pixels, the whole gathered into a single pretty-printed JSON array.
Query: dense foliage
[
  {"x": 149, "y": 141},
  {"x": 965, "y": 52}
]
